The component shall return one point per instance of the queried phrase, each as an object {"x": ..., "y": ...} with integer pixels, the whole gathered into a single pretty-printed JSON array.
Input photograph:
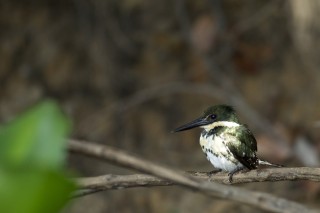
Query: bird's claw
[
  {"x": 230, "y": 174},
  {"x": 214, "y": 172},
  {"x": 230, "y": 177}
]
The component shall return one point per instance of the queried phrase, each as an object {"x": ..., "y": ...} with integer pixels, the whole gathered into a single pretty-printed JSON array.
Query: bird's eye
[{"x": 212, "y": 116}]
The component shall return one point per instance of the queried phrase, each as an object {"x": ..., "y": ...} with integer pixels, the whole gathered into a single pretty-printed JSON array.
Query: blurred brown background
[{"x": 127, "y": 72}]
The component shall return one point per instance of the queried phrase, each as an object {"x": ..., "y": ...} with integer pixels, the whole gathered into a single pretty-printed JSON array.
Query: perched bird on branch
[{"x": 227, "y": 144}]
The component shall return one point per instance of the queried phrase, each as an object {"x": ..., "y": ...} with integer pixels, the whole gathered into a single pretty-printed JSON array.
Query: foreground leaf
[{"x": 35, "y": 139}]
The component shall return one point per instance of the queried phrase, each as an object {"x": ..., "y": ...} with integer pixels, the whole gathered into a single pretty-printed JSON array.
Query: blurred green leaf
[
  {"x": 32, "y": 152},
  {"x": 33, "y": 192},
  {"x": 36, "y": 138}
]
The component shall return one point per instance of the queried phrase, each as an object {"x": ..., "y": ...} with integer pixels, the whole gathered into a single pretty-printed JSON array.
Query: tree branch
[
  {"x": 91, "y": 185},
  {"x": 258, "y": 199},
  {"x": 111, "y": 181}
]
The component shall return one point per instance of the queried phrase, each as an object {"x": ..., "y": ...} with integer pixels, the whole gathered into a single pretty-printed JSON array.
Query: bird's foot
[
  {"x": 214, "y": 172},
  {"x": 230, "y": 174}
]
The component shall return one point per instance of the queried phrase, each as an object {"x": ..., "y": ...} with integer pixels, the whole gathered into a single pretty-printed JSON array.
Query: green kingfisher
[{"x": 227, "y": 144}]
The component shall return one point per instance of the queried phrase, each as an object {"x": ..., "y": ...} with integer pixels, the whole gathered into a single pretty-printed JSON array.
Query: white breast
[{"x": 218, "y": 153}]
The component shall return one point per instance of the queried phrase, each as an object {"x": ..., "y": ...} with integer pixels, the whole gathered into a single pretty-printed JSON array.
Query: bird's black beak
[{"x": 196, "y": 123}]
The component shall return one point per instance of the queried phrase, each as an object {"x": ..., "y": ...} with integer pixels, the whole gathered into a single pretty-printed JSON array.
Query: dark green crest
[{"x": 222, "y": 113}]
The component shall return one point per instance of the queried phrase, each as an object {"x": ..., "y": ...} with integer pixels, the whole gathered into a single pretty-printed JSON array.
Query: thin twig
[
  {"x": 91, "y": 185},
  {"x": 257, "y": 199},
  {"x": 111, "y": 181}
]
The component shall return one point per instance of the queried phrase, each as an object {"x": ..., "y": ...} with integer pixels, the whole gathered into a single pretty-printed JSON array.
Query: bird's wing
[{"x": 243, "y": 146}]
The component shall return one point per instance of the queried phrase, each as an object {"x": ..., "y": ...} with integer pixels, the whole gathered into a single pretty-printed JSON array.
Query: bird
[{"x": 228, "y": 145}]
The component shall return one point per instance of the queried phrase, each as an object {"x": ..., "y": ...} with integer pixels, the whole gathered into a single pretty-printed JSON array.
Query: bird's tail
[{"x": 266, "y": 163}]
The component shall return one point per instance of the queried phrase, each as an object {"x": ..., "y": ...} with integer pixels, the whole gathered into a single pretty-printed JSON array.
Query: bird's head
[{"x": 214, "y": 116}]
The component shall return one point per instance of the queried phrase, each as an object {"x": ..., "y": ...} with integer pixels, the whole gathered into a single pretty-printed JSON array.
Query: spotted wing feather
[{"x": 244, "y": 147}]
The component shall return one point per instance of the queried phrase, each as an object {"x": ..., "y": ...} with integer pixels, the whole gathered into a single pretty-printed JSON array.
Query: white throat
[{"x": 220, "y": 123}]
